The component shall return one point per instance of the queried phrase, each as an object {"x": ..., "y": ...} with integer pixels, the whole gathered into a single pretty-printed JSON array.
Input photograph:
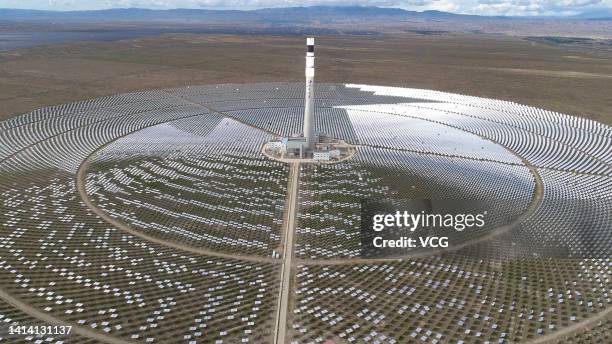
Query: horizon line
[{"x": 313, "y": 6}]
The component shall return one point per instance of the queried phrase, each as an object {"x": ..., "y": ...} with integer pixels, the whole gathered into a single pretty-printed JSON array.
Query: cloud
[{"x": 537, "y": 7}]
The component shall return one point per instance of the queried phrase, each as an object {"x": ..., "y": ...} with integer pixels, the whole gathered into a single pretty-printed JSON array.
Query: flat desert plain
[{"x": 572, "y": 80}]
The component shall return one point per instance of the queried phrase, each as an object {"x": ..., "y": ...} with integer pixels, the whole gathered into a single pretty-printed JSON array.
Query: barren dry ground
[{"x": 568, "y": 80}]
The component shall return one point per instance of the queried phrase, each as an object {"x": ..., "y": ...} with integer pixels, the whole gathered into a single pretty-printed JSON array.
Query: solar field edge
[{"x": 154, "y": 217}]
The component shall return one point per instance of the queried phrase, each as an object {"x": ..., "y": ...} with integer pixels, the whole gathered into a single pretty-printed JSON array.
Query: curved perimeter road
[
  {"x": 287, "y": 263},
  {"x": 51, "y": 320},
  {"x": 82, "y": 191}
]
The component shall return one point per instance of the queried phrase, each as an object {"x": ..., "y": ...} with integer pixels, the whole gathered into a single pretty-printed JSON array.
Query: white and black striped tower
[{"x": 309, "y": 98}]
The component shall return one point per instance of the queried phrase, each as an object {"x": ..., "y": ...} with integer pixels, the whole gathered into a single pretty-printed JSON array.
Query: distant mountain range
[
  {"x": 307, "y": 20},
  {"x": 298, "y": 14},
  {"x": 602, "y": 13},
  {"x": 272, "y": 14}
]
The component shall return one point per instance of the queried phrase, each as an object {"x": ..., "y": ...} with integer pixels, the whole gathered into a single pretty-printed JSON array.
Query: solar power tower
[{"x": 309, "y": 98}]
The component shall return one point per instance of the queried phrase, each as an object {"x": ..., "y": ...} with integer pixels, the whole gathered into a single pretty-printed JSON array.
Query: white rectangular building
[{"x": 320, "y": 156}]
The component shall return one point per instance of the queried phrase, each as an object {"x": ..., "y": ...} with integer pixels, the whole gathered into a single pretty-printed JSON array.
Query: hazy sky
[{"x": 486, "y": 7}]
